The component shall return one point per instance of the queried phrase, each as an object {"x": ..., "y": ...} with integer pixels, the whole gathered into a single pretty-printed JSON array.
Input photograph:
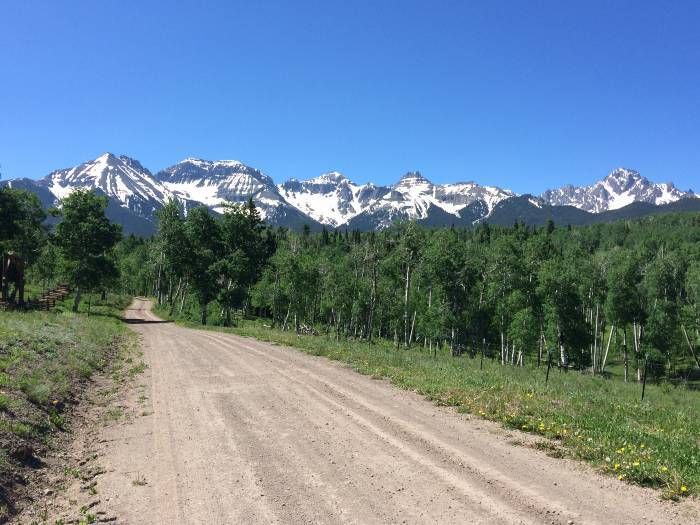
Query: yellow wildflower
[{"x": 684, "y": 489}]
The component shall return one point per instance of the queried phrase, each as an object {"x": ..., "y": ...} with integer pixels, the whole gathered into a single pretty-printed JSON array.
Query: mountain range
[{"x": 334, "y": 201}]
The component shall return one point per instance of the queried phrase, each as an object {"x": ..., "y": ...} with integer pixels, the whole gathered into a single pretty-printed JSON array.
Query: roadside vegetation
[{"x": 48, "y": 357}]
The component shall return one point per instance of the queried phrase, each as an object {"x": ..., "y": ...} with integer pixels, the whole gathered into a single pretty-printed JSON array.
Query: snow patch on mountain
[
  {"x": 419, "y": 194},
  {"x": 330, "y": 198},
  {"x": 216, "y": 183},
  {"x": 334, "y": 200},
  {"x": 459, "y": 195},
  {"x": 122, "y": 179},
  {"x": 620, "y": 188}
]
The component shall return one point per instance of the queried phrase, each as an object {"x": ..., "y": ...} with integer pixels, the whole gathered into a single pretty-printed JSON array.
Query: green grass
[
  {"x": 112, "y": 306},
  {"x": 652, "y": 443},
  {"x": 5, "y": 402},
  {"x": 44, "y": 355}
]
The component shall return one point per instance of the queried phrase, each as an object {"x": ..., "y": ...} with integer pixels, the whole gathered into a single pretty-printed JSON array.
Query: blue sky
[{"x": 522, "y": 94}]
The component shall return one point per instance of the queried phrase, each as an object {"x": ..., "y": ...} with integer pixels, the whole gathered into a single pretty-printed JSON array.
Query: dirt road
[{"x": 240, "y": 431}]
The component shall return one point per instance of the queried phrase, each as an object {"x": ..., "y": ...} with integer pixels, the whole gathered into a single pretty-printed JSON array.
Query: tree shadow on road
[{"x": 142, "y": 321}]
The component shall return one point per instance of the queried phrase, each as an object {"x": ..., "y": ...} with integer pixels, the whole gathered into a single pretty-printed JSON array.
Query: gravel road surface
[{"x": 240, "y": 431}]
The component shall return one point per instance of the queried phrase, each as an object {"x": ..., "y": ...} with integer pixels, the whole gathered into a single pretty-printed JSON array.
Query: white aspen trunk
[
  {"x": 562, "y": 355},
  {"x": 624, "y": 349},
  {"x": 589, "y": 320},
  {"x": 544, "y": 345},
  {"x": 595, "y": 341},
  {"x": 562, "y": 350},
  {"x": 286, "y": 318},
  {"x": 405, "y": 304},
  {"x": 607, "y": 349},
  {"x": 503, "y": 355},
  {"x": 337, "y": 327},
  {"x": 636, "y": 348},
  {"x": 160, "y": 267},
  {"x": 690, "y": 347},
  {"x": 413, "y": 325}
]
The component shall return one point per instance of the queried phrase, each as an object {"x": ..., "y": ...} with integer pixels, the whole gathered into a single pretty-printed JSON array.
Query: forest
[{"x": 622, "y": 296}]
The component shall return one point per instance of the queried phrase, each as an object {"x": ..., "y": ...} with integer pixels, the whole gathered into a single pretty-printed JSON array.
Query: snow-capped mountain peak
[
  {"x": 624, "y": 178},
  {"x": 330, "y": 198},
  {"x": 209, "y": 164},
  {"x": 215, "y": 183},
  {"x": 619, "y": 188},
  {"x": 416, "y": 197},
  {"x": 330, "y": 177},
  {"x": 119, "y": 177},
  {"x": 458, "y": 195},
  {"x": 413, "y": 182}
]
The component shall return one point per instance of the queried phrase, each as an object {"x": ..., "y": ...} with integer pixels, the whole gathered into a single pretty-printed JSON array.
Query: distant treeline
[
  {"x": 583, "y": 298},
  {"x": 580, "y": 298}
]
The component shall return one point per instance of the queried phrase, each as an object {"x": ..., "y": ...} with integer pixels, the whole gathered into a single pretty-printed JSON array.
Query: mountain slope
[
  {"x": 216, "y": 183},
  {"x": 332, "y": 200},
  {"x": 620, "y": 188},
  {"x": 115, "y": 212},
  {"x": 535, "y": 212},
  {"x": 46, "y": 198},
  {"x": 122, "y": 179}
]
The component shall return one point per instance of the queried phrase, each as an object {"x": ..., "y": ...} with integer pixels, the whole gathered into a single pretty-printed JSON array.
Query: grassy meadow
[{"x": 44, "y": 357}]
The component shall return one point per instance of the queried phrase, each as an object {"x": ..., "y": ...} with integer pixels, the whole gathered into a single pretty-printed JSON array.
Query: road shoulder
[{"x": 66, "y": 489}]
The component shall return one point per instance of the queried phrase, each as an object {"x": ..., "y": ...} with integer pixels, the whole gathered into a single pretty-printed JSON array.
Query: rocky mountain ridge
[{"x": 332, "y": 199}]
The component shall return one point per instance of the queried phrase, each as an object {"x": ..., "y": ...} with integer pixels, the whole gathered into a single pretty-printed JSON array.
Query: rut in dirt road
[{"x": 247, "y": 432}]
